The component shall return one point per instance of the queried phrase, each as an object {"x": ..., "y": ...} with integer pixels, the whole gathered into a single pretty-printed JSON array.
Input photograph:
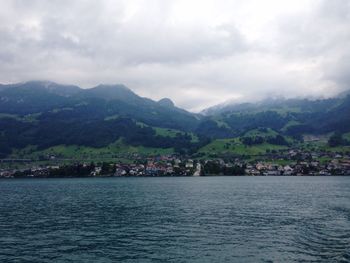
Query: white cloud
[{"x": 198, "y": 53}]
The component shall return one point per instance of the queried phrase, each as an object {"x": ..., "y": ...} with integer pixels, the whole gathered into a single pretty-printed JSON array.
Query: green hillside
[
  {"x": 234, "y": 146},
  {"x": 115, "y": 150}
]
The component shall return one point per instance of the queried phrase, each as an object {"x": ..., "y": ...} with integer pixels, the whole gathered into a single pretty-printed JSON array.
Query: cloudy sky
[{"x": 198, "y": 53}]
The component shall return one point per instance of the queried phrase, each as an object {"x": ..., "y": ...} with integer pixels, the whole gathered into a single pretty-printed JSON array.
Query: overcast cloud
[{"x": 198, "y": 53}]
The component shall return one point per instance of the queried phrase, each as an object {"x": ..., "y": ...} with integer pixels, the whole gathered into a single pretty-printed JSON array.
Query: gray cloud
[{"x": 198, "y": 53}]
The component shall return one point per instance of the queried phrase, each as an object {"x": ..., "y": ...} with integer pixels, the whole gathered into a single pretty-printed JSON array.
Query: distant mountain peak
[
  {"x": 166, "y": 102},
  {"x": 33, "y": 83},
  {"x": 50, "y": 86},
  {"x": 112, "y": 92}
]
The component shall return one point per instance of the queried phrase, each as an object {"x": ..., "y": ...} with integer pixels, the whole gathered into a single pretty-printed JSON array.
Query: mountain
[
  {"x": 112, "y": 92},
  {"x": 52, "y": 87},
  {"x": 166, "y": 103},
  {"x": 40, "y": 115},
  {"x": 293, "y": 117},
  {"x": 271, "y": 104},
  {"x": 35, "y": 96},
  {"x": 102, "y": 101},
  {"x": 45, "y": 114}
]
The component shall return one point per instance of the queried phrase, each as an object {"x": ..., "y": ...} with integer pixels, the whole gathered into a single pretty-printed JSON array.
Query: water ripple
[{"x": 214, "y": 219}]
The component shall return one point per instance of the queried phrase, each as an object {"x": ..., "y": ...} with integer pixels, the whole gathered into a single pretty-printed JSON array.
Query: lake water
[{"x": 194, "y": 219}]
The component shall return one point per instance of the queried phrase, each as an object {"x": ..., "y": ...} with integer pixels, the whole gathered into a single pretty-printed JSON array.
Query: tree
[
  {"x": 337, "y": 140},
  {"x": 105, "y": 168}
]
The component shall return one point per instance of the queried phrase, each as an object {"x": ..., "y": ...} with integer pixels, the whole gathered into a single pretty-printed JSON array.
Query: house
[
  {"x": 96, "y": 171},
  {"x": 120, "y": 172},
  {"x": 189, "y": 164},
  {"x": 287, "y": 170}
]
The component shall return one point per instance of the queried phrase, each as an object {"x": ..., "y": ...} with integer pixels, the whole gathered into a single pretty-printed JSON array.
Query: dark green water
[{"x": 212, "y": 219}]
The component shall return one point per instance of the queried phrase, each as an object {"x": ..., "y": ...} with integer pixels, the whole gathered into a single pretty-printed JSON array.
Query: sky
[{"x": 197, "y": 53}]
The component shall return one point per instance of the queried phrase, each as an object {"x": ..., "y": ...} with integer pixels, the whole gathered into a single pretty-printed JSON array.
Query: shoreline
[{"x": 166, "y": 176}]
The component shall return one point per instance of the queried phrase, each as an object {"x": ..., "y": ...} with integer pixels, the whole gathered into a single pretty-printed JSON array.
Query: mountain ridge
[
  {"x": 47, "y": 114},
  {"x": 236, "y": 106}
]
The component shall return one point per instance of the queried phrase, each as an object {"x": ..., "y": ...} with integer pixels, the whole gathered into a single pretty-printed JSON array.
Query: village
[{"x": 288, "y": 163}]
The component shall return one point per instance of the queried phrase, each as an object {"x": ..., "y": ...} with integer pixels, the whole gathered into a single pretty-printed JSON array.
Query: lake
[{"x": 175, "y": 219}]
